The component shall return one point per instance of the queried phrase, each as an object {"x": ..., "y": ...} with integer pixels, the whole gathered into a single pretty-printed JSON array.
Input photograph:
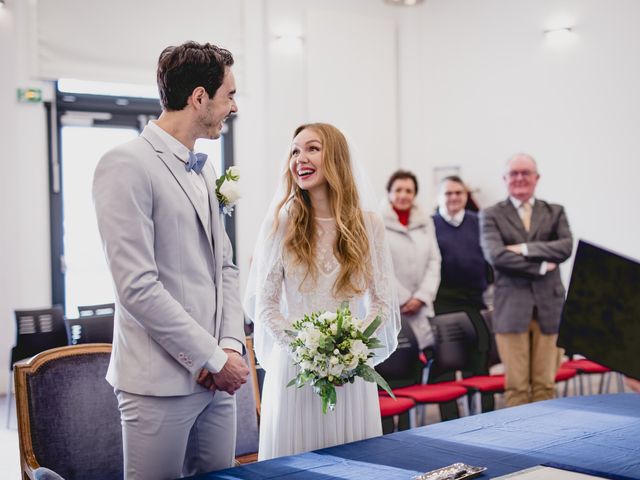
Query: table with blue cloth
[{"x": 597, "y": 434}]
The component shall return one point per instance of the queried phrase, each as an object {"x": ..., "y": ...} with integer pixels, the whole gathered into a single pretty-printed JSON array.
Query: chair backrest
[
  {"x": 248, "y": 409},
  {"x": 456, "y": 341},
  {"x": 403, "y": 367},
  {"x": 37, "y": 331},
  {"x": 493, "y": 356},
  {"x": 68, "y": 418},
  {"x": 100, "y": 309},
  {"x": 90, "y": 329}
]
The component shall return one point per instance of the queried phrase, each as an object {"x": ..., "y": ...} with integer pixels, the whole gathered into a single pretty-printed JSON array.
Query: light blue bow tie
[{"x": 196, "y": 162}]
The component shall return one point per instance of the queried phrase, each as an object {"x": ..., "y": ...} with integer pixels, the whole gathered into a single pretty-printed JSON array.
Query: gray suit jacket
[
  {"x": 177, "y": 291},
  {"x": 519, "y": 287}
]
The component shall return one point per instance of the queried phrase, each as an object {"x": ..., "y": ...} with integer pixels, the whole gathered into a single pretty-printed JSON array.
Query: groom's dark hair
[{"x": 184, "y": 67}]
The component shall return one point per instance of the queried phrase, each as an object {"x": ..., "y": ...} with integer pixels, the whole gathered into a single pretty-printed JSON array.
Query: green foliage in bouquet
[{"x": 331, "y": 349}]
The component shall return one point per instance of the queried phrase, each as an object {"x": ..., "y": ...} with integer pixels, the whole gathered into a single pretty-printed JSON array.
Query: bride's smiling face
[{"x": 305, "y": 162}]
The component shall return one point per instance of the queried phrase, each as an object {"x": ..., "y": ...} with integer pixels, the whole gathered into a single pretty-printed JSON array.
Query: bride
[{"x": 320, "y": 244}]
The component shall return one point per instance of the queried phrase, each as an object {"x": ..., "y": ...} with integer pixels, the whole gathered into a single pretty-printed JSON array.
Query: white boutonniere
[{"x": 227, "y": 190}]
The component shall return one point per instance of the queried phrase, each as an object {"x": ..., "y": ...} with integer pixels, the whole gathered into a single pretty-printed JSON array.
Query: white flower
[
  {"x": 230, "y": 191},
  {"x": 334, "y": 360},
  {"x": 352, "y": 362},
  {"x": 306, "y": 365},
  {"x": 359, "y": 349},
  {"x": 327, "y": 316},
  {"x": 233, "y": 172},
  {"x": 333, "y": 328},
  {"x": 336, "y": 370},
  {"x": 311, "y": 338},
  {"x": 358, "y": 323}
]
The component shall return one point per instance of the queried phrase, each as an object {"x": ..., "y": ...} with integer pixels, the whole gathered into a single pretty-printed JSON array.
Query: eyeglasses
[
  {"x": 454, "y": 192},
  {"x": 522, "y": 173}
]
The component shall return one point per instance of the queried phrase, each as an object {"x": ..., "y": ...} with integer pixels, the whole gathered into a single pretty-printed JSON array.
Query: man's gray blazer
[
  {"x": 177, "y": 292},
  {"x": 519, "y": 287}
]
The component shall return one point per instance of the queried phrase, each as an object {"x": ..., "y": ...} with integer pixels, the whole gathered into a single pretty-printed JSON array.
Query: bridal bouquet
[{"x": 331, "y": 349}]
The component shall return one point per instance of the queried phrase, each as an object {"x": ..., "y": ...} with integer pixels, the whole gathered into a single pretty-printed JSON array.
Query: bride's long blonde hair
[{"x": 351, "y": 247}]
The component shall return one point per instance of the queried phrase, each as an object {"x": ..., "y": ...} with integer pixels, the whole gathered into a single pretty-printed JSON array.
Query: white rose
[
  {"x": 327, "y": 316},
  {"x": 322, "y": 371},
  {"x": 306, "y": 365},
  {"x": 336, "y": 370},
  {"x": 359, "y": 349},
  {"x": 310, "y": 337},
  {"x": 230, "y": 191},
  {"x": 234, "y": 172},
  {"x": 357, "y": 323},
  {"x": 353, "y": 363}
]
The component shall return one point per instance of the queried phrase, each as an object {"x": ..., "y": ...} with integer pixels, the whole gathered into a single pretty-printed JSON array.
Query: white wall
[
  {"x": 474, "y": 82},
  {"x": 24, "y": 211},
  {"x": 492, "y": 85}
]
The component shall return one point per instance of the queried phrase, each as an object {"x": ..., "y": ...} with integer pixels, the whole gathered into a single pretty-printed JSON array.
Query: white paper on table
[{"x": 547, "y": 473}]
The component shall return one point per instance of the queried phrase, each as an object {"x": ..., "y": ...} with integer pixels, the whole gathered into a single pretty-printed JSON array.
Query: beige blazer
[{"x": 177, "y": 292}]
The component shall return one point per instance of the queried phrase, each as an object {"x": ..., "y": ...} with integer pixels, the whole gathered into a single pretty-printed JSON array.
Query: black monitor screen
[{"x": 601, "y": 316}]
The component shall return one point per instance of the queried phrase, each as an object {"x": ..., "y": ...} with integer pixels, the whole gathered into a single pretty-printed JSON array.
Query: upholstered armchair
[{"x": 68, "y": 418}]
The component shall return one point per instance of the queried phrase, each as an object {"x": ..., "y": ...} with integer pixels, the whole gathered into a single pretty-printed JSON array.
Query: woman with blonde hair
[{"x": 321, "y": 244}]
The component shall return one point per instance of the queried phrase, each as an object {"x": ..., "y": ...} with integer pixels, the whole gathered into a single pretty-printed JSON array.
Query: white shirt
[
  {"x": 455, "y": 220},
  {"x": 219, "y": 358}
]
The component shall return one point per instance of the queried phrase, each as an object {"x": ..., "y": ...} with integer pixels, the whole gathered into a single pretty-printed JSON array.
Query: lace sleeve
[
  {"x": 264, "y": 303},
  {"x": 268, "y": 305},
  {"x": 383, "y": 298}
]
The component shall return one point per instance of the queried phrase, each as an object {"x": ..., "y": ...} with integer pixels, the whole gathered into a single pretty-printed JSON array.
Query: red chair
[
  {"x": 587, "y": 367},
  {"x": 390, "y": 407},
  {"x": 434, "y": 394},
  {"x": 565, "y": 374},
  {"x": 403, "y": 371},
  {"x": 456, "y": 342}
]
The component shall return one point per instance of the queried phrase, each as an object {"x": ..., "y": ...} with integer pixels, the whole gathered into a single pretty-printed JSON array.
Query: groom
[{"x": 178, "y": 337}]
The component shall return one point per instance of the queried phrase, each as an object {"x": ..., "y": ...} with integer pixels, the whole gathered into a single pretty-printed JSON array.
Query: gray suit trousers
[{"x": 170, "y": 437}]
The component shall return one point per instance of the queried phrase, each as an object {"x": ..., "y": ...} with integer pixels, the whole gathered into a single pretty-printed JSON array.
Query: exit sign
[{"x": 29, "y": 95}]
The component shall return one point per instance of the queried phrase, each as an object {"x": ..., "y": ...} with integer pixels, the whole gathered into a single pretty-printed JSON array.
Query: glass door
[{"x": 87, "y": 280}]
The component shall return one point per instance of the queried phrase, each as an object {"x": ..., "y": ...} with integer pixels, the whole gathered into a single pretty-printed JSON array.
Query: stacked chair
[
  {"x": 36, "y": 331},
  {"x": 457, "y": 347},
  {"x": 403, "y": 371},
  {"x": 93, "y": 325},
  {"x": 585, "y": 367}
]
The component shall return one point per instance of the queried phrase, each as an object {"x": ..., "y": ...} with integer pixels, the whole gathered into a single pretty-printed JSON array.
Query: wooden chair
[
  {"x": 248, "y": 412},
  {"x": 68, "y": 418},
  {"x": 36, "y": 331}
]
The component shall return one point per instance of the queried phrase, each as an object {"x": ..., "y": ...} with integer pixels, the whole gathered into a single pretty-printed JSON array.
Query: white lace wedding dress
[{"x": 291, "y": 418}]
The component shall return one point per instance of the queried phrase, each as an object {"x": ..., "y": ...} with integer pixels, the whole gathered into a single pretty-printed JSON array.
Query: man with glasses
[
  {"x": 525, "y": 239},
  {"x": 464, "y": 270}
]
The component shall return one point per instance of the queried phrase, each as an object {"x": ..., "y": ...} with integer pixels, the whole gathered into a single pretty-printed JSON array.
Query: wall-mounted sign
[{"x": 29, "y": 95}]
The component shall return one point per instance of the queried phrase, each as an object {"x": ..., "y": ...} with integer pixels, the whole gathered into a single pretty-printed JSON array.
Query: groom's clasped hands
[{"x": 230, "y": 378}]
